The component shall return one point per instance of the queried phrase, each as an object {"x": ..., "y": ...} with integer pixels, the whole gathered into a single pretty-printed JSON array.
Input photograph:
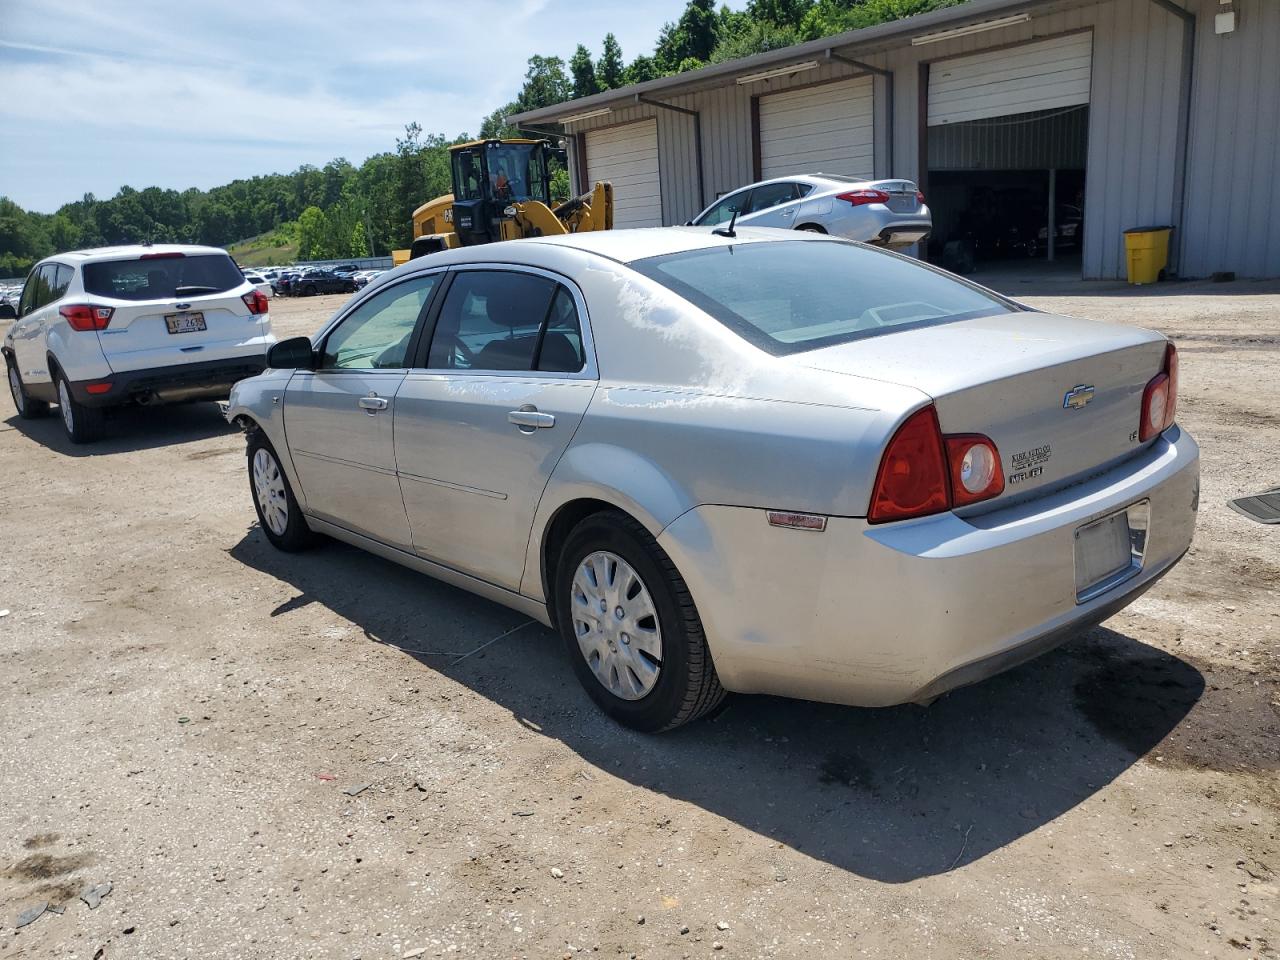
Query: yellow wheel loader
[{"x": 502, "y": 191}]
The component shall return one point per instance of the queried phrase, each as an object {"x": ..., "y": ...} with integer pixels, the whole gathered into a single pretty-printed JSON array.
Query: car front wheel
[
  {"x": 28, "y": 408},
  {"x": 83, "y": 424},
  {"x": 631, "y": 628},
  {"x": 278, "y": 512}
]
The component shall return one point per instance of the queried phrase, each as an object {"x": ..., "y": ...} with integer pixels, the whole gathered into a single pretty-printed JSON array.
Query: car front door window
[
  {"x": 723, "y": 211},
  {"x": 376, "y": 334}
]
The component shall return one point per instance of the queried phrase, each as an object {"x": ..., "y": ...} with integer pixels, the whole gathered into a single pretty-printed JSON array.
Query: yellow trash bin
[{"x": 1147, "y": 249}]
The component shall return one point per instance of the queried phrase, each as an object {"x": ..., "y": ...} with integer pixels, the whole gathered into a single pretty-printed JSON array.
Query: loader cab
[{"x": 490, "y": 175}]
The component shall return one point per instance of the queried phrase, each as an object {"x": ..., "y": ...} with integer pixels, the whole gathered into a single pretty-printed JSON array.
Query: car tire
[
  {"x": 309, "y": 291},
  {"x": 810, "y": 228},
  {"x": 657, "y": 684},
  {"x": 82, "y": 424},
  {"x": 279, "y": 515},
  {"x": 27, "y": 406}
]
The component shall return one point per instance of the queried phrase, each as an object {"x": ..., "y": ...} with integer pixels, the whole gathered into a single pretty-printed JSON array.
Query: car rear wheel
[
  {"x": 631, "y": 628},
  {"x": 83, "y": 424},
  {"x": 810, "y": 228},
  {"x": 27, "y": 407},
  {"x": 278, "y": 512}
]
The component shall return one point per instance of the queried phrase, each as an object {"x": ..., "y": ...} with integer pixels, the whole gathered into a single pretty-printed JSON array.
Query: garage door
[
  {"x": 627, "y": 157},
  {"x": 822, "y": 129},
  {"x": 1033, "y": 76}
]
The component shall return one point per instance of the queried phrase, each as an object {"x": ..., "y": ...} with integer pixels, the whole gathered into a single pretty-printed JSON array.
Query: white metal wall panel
[
  {"x": 827, "y": 128},
  {"x": 1023, "y": 79},
  {"x": 627, "y": 156}
]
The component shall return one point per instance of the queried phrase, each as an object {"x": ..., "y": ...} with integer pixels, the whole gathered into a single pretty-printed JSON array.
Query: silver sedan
[
  {"x": 887, "y": 213},
  {"x": 766, "y": 462}
]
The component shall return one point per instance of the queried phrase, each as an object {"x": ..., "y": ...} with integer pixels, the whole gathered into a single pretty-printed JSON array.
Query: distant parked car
[
  {"x": 284, "y": 283},
  {"x": 132, "y": 325},
  {"x": 888, "y": 213},
  {"x": 313, "y": 282},
  {"x": 260, "y": 283},
  {"x": 345, "y": 270}
]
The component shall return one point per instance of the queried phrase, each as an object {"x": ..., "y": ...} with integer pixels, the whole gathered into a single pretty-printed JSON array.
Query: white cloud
[{"x": 195, "y": 94}]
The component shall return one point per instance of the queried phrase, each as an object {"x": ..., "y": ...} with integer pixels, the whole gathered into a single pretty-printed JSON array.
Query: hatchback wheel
[
  {"x": 631, "y": 628},
  {"x": 27, "y": 407},
  {"x": 278, "y": 512},
  {"x": 83, "y": 424}
]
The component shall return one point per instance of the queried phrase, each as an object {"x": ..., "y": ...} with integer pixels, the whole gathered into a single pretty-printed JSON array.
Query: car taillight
[
  {"x": 975, "y": 469},
  {"x": 923, "y": 472},
  {"x": 912, "y": 481},
  {"x": 1160, "y": 398},
  {"x": 83, "y": 317},
  {"x": 859, "y": 197},
  {"x": 920, "y": 196},
  {"x": 256, "y": 301}
]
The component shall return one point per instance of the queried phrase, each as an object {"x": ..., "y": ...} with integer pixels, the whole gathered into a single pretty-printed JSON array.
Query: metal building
[{"x": 1123, "y": 113}]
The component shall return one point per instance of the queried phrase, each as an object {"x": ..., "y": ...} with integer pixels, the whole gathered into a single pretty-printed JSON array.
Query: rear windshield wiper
[{"x": 193, "y": 290}]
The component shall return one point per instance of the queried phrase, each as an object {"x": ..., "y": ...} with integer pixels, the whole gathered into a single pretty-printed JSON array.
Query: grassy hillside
[{"x": 280, "y": 246}]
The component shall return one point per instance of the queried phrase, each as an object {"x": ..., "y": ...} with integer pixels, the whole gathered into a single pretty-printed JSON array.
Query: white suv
[{"x": 139, "y": 324}]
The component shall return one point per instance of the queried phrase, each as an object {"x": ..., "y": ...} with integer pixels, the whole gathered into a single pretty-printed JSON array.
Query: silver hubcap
[
  {"x": 616, "y": 625},
  {"x": 268, "y": 487},
  {"x": 64, "y": 404},
  {"x": 15, "y": 385}
]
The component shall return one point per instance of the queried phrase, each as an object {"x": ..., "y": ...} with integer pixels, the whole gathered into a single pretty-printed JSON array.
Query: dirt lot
[{"x": 186, "y": 714}]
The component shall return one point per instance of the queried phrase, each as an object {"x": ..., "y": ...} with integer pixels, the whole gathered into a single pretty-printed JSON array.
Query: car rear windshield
[
  {"x": 789, "y": 296},
  {"x": 162, "y": 277}
]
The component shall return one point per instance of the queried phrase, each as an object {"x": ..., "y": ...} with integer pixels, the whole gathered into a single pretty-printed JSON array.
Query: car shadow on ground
[
  {"x": 890, "y": 794},
  {"x": 130, "y": 429}
]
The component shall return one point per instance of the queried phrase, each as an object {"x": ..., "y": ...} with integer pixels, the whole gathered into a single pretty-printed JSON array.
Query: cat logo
[{"x": 1077, "y": 397}]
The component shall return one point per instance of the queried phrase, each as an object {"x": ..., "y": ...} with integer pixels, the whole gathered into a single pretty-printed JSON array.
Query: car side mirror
[
  {"x": 296, "y": 353},
  {"x": 7, "y": 312},
  {"x": 688, "y": 223}
]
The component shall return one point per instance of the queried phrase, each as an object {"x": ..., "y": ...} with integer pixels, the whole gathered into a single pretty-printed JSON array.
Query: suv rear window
[
  {"x": 162, "y": 278},
  {"x": 792, "y": 295}
]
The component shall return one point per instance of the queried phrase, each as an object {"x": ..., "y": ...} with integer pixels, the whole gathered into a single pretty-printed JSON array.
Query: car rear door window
[
  {"x": 376, "y": 334},
  {"x": 61, "y": 281},
  {"x": 162, "y": 276},
  {"x": 771, "y": 195},
  {"x": 492, "y": 320},
  {"x": 560, "y": 347}
]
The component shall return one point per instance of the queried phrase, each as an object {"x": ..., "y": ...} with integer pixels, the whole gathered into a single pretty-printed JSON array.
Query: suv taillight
[
  {"x": 256, "y": 301},
  {"x": 1160, "y": 398},
  {"x": 83, "y": 317},
  {"x": 859, "y": 197},
  {"x": 923, "y": 472}
]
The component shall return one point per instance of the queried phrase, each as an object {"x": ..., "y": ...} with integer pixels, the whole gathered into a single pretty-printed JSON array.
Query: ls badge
[{"x": 1077, "y": 397}]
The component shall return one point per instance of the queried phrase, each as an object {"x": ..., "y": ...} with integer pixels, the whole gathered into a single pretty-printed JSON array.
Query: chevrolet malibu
[{"x": 753, "y": 461}]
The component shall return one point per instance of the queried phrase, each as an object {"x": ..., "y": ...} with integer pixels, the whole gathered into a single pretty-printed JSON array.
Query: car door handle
[
  {"x": 528, "y": 418},
  {"x": 372, "y": 404},
  {"x": 787, "y": 213}
]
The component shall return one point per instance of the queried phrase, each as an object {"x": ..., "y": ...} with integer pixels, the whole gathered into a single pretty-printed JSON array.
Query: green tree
[
  {"x": 358, "y": 246},
  {"x": 311, "y": 234},
  {"x": 692, "y": 37},
  {"x": 584, "y": 73},
  {"x": 609, "y": 71},
  {"x": 641, "y": 69}
]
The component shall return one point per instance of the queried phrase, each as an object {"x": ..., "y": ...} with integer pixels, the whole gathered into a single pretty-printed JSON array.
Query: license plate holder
[
  {"x": 1110, "y": 550},
  {"x": 188, "y": 322}
]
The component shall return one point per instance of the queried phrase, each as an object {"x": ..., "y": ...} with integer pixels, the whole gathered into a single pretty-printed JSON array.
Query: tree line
[{"x": 341, "y": 210}]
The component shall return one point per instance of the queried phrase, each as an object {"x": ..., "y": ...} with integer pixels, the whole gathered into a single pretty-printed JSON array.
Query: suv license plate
[{"x": 185, "y": 322}]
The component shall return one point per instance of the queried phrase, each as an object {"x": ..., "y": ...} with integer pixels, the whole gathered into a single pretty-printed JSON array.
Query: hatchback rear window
[
  {"x": 162, "y": 278},
  {"x": 789, "y": 296}
]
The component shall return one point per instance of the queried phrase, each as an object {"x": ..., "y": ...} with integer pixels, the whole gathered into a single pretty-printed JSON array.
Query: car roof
[
  {"x": 640, "y": 243},
  {"x": 127, "y": 251}
]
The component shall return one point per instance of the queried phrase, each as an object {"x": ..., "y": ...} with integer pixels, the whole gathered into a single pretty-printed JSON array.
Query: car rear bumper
[
  {"x": 207, "y": 380},
  {"x": 902, "y": 612}
]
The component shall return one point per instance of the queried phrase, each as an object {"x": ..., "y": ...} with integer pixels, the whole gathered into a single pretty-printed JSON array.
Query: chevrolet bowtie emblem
[{"x": 1077, "y": 397}]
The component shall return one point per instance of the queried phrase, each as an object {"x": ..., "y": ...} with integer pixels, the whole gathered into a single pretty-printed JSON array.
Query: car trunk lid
[{"x": 1060, "y": 397}]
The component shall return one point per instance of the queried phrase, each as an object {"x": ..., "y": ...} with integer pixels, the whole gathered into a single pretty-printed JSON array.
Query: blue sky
[{"x": 101, "y": 93}]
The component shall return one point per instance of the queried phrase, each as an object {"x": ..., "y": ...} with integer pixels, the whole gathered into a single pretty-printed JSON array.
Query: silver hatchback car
[
  {"x": 887, "y": 213},
  {"x": 762, "y": 462}
]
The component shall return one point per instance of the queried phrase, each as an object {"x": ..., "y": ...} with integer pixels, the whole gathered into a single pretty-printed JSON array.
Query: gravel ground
[{"x": 288, "y": 756}]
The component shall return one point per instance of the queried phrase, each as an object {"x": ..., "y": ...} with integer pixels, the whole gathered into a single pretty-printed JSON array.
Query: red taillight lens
[
  {"x": 98, "y": 387},
  {"x": 1160, "y": 398},
  {"x": 256, "y": 301},
  {"x": 912, "y": 481},
  {"x": 920, "y": 196},
  {"x": 975, "y": 469},
  {"x": 82, "y": 317},
  {"x": 860, "y": 197}
]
